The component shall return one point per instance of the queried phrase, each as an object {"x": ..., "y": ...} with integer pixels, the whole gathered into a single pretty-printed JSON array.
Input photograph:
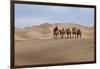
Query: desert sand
[{"x": 35, "y": 45}]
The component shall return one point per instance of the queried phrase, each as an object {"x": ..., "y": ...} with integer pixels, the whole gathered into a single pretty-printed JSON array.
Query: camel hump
[
  {"x": 79, "y": 30},
  {"x": 56, "y": 28}
]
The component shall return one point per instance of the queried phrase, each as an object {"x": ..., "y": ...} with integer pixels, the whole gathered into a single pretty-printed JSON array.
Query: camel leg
[
  {"x": 64, "y": 35},
  {"x": 73, "y": 35},
  {"x": 54, "y": 37},
  {"x": 67, "y": 35},
  {"x": 70, "y": 36},
  {"x": 77, "y": 35},
  {"x": 61, "y": 36},
  {"x": 57, "y": 36},
  {"x": 80, "y": 36}
]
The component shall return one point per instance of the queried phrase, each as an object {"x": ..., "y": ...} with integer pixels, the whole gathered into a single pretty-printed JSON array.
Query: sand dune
[
  {"x": 51, "y": 51},
  {"x": 45, "y": 31},
  {"x": 35, "y": 45}
]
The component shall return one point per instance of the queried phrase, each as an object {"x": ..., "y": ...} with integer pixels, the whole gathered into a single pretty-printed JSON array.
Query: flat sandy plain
[{"x": 35, "y": 46}]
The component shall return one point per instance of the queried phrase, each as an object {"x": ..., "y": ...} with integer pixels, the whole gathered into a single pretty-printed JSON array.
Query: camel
[
  {"x": 62, "y": 33},
  {"x": 68, "y": 32},
  {"x": 79, "y": 33},
  {"x": 71, "y": 33},
  {"x": 74, "y": 32},
  {"x": 55, "y": 32}
]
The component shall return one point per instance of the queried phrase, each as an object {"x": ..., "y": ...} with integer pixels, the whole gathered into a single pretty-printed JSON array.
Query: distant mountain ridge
[{"x": 57, "y": 24}]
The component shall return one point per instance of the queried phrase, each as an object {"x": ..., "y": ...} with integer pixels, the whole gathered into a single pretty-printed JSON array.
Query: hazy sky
[{"x": 27, "y": 15}]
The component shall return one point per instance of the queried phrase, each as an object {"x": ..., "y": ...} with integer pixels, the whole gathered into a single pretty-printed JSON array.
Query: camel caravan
[{"x": 67, "y": 33}]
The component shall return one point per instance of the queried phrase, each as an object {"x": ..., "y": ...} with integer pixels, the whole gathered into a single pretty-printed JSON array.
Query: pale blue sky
[{"x": 27, "y": 15}]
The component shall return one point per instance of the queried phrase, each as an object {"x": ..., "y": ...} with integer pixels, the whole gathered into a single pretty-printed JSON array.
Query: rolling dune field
[{"x": 36, "y": 46}]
